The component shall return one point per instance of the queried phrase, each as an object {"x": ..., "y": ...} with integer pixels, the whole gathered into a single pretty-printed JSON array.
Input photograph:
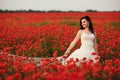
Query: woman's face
[{"x": 85, "y": 23}]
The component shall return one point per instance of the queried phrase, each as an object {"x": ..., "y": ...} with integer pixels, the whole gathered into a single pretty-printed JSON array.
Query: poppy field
[{"x": 47, "y": 36}]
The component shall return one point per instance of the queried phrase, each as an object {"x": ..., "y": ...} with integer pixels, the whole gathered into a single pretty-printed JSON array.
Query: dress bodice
[{"x": 87, "y": 38}]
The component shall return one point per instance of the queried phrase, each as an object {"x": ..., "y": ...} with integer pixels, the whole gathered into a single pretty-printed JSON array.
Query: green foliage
[
  {"x": 116, "y": 24},
  {"x": 69, "y": 23},
  {"x": 37, "y": 24}
]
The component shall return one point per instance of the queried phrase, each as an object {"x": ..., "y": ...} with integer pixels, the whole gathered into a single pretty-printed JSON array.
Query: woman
[{"x": 88, "y": 49}]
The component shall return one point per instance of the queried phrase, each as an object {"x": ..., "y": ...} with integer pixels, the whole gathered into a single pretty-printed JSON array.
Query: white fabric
[{"x": 86, "y": 49}]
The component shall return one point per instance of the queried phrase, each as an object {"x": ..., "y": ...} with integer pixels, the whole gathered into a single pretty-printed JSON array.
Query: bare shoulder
[
  {"x": 80, "y": 32},
  {"x": 95, "y": 32}
]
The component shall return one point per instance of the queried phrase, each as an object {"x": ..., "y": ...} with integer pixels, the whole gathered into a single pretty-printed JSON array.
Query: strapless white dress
[{"x": 85, "y": 52}]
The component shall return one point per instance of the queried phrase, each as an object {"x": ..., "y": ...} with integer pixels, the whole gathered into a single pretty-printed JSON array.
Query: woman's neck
[{"x": 87, "y": 29}]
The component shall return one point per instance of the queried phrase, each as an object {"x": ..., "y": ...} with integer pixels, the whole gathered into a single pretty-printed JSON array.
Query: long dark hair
[{"x": 90, "y": 23}]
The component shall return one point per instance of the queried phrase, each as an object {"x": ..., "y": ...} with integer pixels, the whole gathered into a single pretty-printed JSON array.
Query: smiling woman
[{"x": 88, "y": 49}]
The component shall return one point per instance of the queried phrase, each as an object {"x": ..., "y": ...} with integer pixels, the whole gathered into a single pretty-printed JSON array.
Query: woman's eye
[{"x": 83, "y": 21}]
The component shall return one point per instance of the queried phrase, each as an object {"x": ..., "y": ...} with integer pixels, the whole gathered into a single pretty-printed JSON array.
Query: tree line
[{"x": 30, "y": 10}]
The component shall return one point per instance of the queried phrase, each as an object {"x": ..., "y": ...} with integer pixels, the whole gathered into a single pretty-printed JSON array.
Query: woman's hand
[{"x": 66, "y": 53}]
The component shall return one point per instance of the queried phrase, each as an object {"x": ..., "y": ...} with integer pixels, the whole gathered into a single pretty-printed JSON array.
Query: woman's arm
[
  {"x": 95, "y": 44},
  {"x": 73, "y": 43}
]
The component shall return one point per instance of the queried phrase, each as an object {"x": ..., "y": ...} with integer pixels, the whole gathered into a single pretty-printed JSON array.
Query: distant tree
[
  {"x": 73, "y": 11},
  {"x": 1, "y": 10},
  {"x": 30, "y": 10},
  {"x": 54, "y": 11},
  {"x": 90, "y": 10}
]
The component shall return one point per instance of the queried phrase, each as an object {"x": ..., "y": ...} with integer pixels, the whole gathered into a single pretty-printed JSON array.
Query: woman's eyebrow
[{"x": 83, "y": 21}]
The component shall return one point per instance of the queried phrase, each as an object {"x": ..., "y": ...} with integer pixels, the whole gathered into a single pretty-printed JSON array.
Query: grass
[
  {"x": 116, "y": 25},
  {"x": 69, "y": 23},
  {"x": 38, "y": 24}
]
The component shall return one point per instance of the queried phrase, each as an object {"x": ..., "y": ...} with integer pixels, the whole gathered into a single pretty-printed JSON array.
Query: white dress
[{"x": 86, "y": 49}]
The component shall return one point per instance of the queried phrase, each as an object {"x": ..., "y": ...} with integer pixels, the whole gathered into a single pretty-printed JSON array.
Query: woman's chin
[{"x": 84, "y": 26}]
